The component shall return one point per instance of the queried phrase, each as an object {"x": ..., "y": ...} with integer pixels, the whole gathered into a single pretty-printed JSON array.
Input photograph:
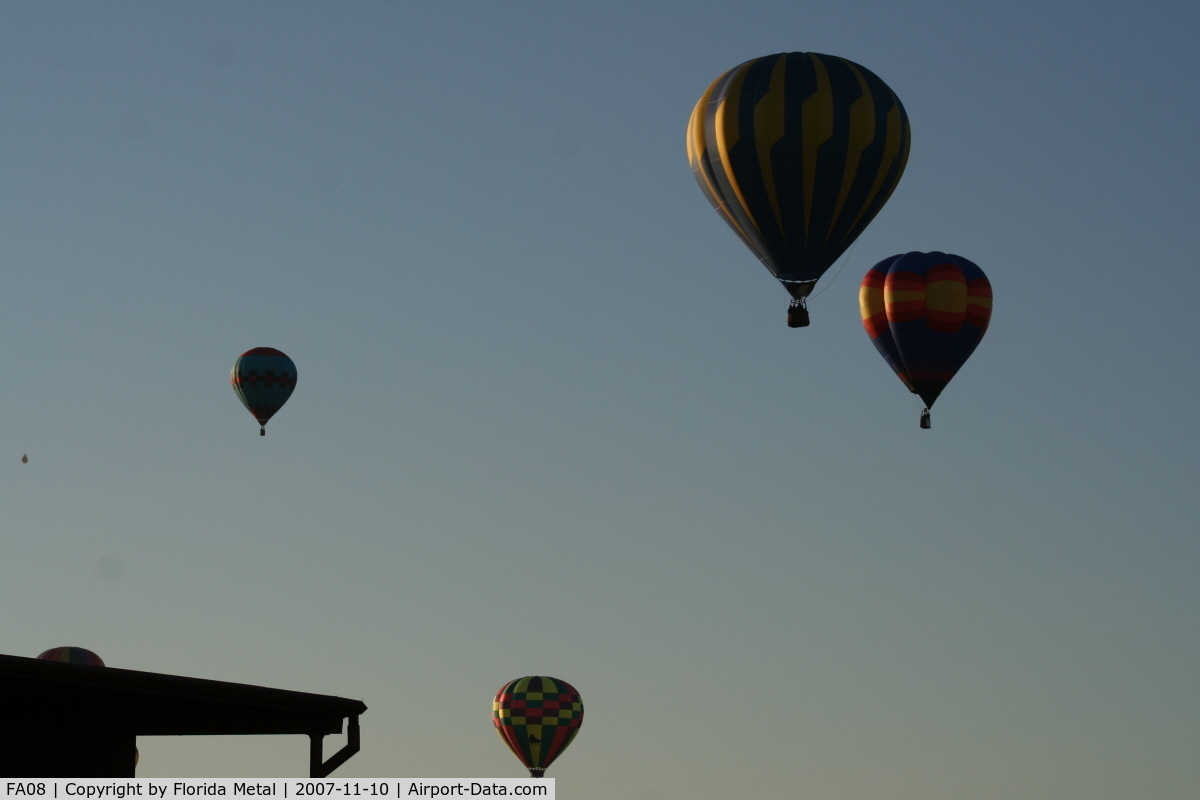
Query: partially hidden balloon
[
  {"x": 263, "y": 379},
  {"x": 797, "y": 152},
  {"x": 926, "y": 314},
  {"x": 537, "y": 717},
  {"x": 72, "y": 655}
]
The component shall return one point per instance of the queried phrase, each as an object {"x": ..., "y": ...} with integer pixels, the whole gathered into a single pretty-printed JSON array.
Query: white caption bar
[{"x": 285, "y": 788}]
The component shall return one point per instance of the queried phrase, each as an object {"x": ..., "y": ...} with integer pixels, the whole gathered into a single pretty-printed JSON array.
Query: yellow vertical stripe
[
  {"x": 697, "y": 144},
  {"x": 817, "y": 116},
  {"x": 725, "y": 125},
  {"x": 891, "y": 149},
  {"x": 768, "y": 129},
  {"x": 695, "y": 130},
  {"x": 862, "y": 133}
]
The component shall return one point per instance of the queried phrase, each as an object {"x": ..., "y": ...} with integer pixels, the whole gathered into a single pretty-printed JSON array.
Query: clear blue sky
[{"x": 549, "y": 418}]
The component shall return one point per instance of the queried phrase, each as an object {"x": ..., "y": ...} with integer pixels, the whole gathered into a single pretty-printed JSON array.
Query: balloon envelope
[
  {"x": 926, "y": 314},
  {"x": 797, "y": 152},
  {"x": 263, "y": 379},
  {"x": 537, "y": 717},
  {"x": 72, "y": 655}
]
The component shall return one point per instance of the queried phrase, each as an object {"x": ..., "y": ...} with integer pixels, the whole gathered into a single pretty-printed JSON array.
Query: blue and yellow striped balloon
[{"x": 797, "y": 152}]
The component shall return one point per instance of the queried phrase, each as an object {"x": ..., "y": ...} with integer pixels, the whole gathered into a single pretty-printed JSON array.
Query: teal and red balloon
[
  {"x": 263, "y": 379},
  {"x": 926, "y": 314},
  {"x": 72, "y": 655},
  {"x": 537, "y": 717}
]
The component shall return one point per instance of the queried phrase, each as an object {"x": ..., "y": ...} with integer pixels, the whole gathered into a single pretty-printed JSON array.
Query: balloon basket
[
  {"x": 925, "y": 422},
  {"x": 797, "y": 315},
  {"x": 262, "y": 431}
]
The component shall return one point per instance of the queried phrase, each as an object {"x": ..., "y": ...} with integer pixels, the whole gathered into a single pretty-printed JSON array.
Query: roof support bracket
[{"x": 317, "y": 767}]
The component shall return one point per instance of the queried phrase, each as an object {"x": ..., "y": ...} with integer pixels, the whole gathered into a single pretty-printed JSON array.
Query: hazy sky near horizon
[{"x": 549, "y": 419}]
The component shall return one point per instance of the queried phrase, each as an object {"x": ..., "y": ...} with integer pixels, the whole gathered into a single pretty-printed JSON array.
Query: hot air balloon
[
  {"x": 263, "y": 379},
  {"x": 72, "y": 655},
  {"x": 537, "y": 717},
  {"x": 926, "y": 313},
  {"x": 798, "y": 152}
]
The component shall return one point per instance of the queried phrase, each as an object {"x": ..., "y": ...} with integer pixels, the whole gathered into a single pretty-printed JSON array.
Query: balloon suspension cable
[
  {"x": 925, "y": 422},
  {"x": 845, "y": 259}
]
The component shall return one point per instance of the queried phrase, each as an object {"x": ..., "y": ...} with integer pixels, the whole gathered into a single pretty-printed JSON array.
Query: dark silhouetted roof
[{"x": 152, "y": 704}]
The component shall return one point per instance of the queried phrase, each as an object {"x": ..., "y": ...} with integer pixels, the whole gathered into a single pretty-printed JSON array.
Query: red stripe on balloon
[
  {"x": 979, "y": 314},
  {"x": 930, "y": 375},
  {"x": 285, "y": 380},
  {"x": 907, "y": 309},
  {"x": 948, "y": 318},
  {"x": 945, "y": 271}
]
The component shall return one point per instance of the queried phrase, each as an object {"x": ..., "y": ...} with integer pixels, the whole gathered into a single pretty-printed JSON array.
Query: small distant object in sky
[
  {"x": 25, "y": 459},
  {"x": 797, "y": 152},
  {"x": 926, "y": 313},
  {"x": 537, "y": 717},
  {"x": 263, "y": 379}
]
